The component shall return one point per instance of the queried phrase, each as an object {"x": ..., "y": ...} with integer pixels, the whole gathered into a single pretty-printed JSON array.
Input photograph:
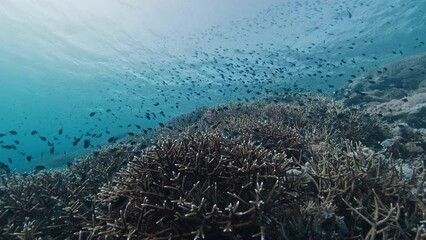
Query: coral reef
[
  {"x": 397, "y": 93},
  {"x": 394, "y": 81},
  {"x": 286, "y": 167},
  {"x": 56, "y": 203}
]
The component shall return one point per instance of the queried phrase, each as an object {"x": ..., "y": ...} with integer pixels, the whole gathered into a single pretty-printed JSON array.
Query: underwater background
[
  {"x": 224, "y": 119},
  {"x": 78, "y": 75}
]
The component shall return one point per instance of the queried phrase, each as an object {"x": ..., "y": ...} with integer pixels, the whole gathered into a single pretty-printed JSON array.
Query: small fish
[
  {"x": 10, "y": 160},
  {"x": 52, "y": 150},
  {"x": 92, "y": 114},
  {"x": 349, "y": 13},
  {"x": 130, "y": 134},
  {"x": 2, "y": 134},
  {"x": 76, "y": 140},
  {"x": 361, "y": 93},
  {"x": 43, "y": 138},
  {"x": 13, "y": 132},
  {"x": 86, "y": 143},
  {"x": 5, "y": 168},
  {"x": 29, "y": 158},
  {"x": 39, "y": 168},
  {"x": 112, "y": 139},
  {"x": 34, "y": 132},
  {"x": 60, "y": 131}
]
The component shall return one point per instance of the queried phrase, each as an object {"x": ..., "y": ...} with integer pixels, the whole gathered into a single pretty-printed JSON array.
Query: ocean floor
[{"x": 289, "y": 166}]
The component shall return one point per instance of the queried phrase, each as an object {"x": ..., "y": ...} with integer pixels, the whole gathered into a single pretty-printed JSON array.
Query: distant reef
[
  {"x": 294, "y": 166},
  {"x": 397, "y": 93},
  {"x": 397, "y": 90}
]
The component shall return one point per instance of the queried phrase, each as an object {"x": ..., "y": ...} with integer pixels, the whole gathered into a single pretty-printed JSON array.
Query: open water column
[
  {"x": 75, "y": 70},
  {"x": 231, "y": 94}
]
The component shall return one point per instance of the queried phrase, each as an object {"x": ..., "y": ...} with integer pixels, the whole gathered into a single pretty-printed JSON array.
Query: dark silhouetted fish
[
  {"x": 60, "y": 131},
  {"x": 2, "y": 134},
  {"x": 52, "y": 150},
  {"x": 349, "y": 14},
  {"x": 43, "y": 138},
  {"x": 39, "y": 168},
  {"x": 5, "y": 168},
  {"x": 13, "y": 132},
  {"x": 8, "y": 147},
  {"x": 34, "y": 132},
  {"x": 86, "y": 143},
  {"x": 29, "y": 158},
  {"x": 92, "y": 114},
  {"x": 76, "y": 140},
  {"x": 112, "y": 139}
]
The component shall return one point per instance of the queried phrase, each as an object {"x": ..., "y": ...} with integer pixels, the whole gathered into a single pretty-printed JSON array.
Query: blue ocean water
[{"x": 96, "y": 70}]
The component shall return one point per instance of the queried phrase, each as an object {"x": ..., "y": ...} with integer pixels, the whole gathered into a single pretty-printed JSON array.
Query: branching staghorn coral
[
  {"x": 57, "y": 203},
  {"x": 282, "y": 168},
  {"x": 197, "y": 187}
]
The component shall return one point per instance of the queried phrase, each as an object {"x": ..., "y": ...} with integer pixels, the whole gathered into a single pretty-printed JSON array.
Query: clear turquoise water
[{"x": 60, "y": 61}]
